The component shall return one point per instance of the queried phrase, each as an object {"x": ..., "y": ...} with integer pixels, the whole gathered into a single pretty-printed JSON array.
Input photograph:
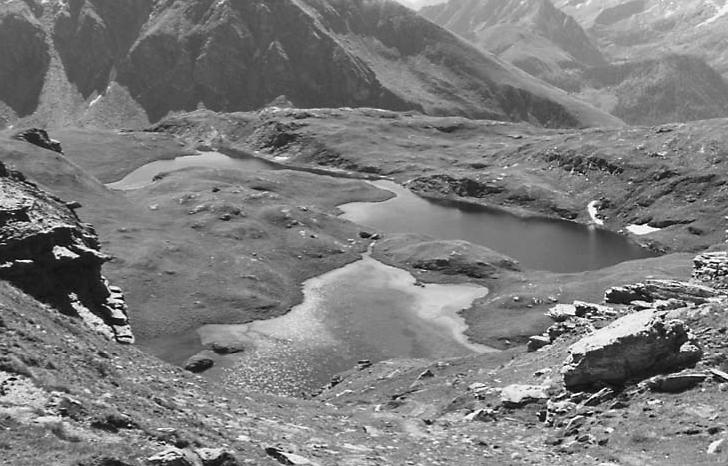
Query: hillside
[
  {"x": 134, "y": 61},
  {"x": 667, "y": 89},
  {"x": 654, "y": 87},
  {"x": 645, "y": 28},
  {"x": 535, "y": 36}
]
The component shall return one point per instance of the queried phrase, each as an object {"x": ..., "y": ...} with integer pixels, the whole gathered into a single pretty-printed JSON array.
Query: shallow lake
[
  {"x": 537, "y": 242},
  {"x": 144, "y": 175},
  {"x": 365, "y": 310}
]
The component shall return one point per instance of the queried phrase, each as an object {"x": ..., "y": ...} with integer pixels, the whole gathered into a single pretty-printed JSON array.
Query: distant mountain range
[
  {"x": 647, "y": 62},
  {"x": 644, "y": 28},
  {"x": 131, "y": 62}
]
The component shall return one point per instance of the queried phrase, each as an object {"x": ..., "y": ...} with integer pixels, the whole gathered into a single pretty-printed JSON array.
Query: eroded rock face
[
  {"x": 633, "y": 347},
  {"x": 47, "y": 252}
]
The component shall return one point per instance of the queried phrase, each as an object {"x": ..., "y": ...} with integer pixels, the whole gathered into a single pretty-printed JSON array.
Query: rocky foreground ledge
[
  {"x": 46, "y": 251},
  {"x": 639, "y": 377}
]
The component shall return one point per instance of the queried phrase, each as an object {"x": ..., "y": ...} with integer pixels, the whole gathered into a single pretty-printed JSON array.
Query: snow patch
[
  {"x": 641, "y": 229},
  {"x": 594, "y": 212},
  {"x": 95, "y": 101},
  {"x": 722, "y": 11}
]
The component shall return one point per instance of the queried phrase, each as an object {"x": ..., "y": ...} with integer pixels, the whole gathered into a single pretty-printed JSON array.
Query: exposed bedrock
[
  {"x": 46, "y": 251},
  {"x": 654, "y": 290},
  {"x": 40, "y": 138}
]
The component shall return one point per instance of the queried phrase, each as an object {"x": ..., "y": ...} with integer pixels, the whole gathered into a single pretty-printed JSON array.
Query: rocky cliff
[
  {"x": 128, "y": 62},
  {"x": 46, "y": 251}
]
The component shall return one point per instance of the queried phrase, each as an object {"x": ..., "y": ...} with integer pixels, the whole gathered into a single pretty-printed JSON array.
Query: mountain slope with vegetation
[
  {"x": 640, "y": 88},
  {"x": 134, "y": 61}
]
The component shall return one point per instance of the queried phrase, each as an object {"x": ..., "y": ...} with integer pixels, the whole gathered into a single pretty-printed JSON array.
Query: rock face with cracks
[
  {"x": 47, "y": 252},
  {"x": 634, "y": 346}
]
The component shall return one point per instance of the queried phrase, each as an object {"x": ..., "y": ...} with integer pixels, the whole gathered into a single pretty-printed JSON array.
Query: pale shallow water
[
  {"x": 536, "y": 242},
  {"x": 144, "y": 176},
  {"x": 365, "y": 310}
]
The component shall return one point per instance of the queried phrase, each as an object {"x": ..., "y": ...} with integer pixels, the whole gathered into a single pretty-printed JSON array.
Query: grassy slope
[
  {"x": 668, "y": 176},
  {"x": 182, "y": 270}
]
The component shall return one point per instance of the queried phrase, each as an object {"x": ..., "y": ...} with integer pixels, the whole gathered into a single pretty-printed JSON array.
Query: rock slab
[{"x": 632, "y": 347}]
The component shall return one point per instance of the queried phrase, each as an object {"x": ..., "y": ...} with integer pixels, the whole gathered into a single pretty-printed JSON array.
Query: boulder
[
  {"x": 537, "y": 342},
  {"x": 675, "y": 383},
  {"x": 174, "y": 457},
  {"x": 561, "y": 312},
  {"x": 40, "y": 138},
  {"x": 584, "y": 309},
  {"x": 227, "y": 347},
  {"x": 632, "y": 347},
  {"x": 200, "y": 362},
  {"x": 575, "y": 326},
  {"x": 284, "y": 457},
  {"x": 652, "y": 290},
  {"x": 216, "y": 457},
  {"x": 516, "y": 396},
  {"x": 711, "y": 268},
  {"x": 482, "y": 415}
]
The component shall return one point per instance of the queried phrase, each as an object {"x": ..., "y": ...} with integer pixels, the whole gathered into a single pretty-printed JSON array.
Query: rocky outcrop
[
  {"x": 47, "y": 252},
  {"x": 675, "y": 383},
  {"x": 515, "y": 396},
  {"x": 632, "y": 347},
  {"x": 711, "y": 268},
  {"x": 173, "y": 456},
  {"x": 40, "y": 138},
  {"x": 654, "y": 290},
  {"x": 200, "y": 362}
]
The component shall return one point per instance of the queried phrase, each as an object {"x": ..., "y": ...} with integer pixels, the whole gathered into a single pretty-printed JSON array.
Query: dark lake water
[{"x": 538, "y": 243}]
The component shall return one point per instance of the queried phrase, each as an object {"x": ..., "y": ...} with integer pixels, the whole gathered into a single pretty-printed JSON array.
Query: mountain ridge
[
  {"x": 138, "y": 60},
  {"x": 538, "y": 37}
]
